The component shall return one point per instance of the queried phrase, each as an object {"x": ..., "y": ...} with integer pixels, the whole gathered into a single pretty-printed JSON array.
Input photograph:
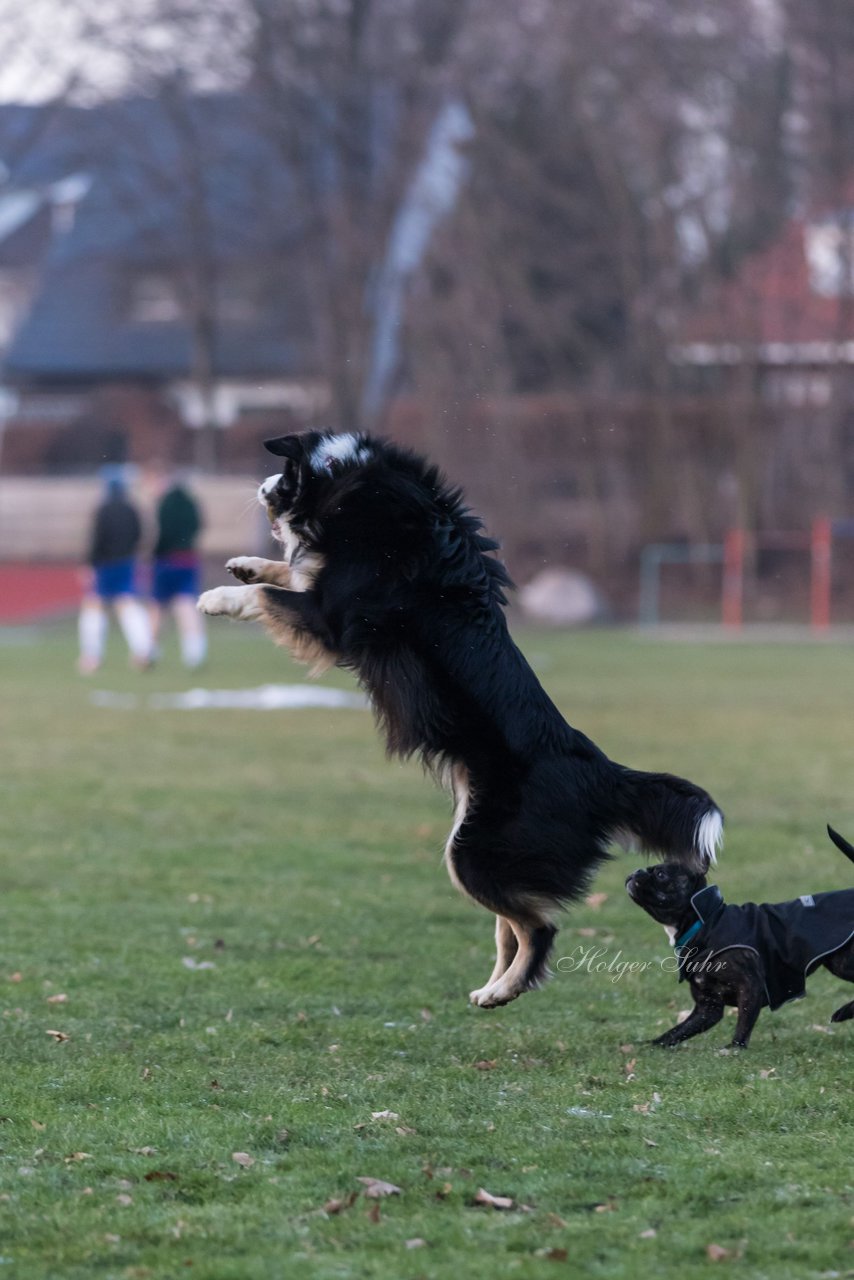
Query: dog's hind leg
[
  {"x": 841, "y": 965},
  {"x": 506, "y": 947},
  {"x": 843, "y": 1013},
  {"x": 534, "y": 940}
]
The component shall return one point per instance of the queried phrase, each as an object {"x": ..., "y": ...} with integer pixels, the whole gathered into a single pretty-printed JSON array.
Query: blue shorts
[
  {"x": 173, "y": 578},
  {"x": 115, "y": 579}
]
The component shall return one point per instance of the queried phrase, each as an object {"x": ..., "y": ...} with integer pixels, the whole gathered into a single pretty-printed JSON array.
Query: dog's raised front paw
[
  {"x": 216, "y": 602},
  {"x": 244, "y": 568}
]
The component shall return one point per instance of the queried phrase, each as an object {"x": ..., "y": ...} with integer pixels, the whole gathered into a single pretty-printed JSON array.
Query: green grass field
[{"x": 257, "y": 949}]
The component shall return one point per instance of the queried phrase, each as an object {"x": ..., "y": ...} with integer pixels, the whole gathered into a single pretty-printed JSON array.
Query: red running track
[{"x": 34, "y": 592}]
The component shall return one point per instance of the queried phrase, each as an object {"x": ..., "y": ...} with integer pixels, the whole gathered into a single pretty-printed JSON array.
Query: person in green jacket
[{"x": 176, "y": 570}]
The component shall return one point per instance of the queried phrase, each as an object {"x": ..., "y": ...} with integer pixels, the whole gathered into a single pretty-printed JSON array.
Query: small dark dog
[
  {"x": 748, "y": 956},
  {"x": 391, "y": 577}
]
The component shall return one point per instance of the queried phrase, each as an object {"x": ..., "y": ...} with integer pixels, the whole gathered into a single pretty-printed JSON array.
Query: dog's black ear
[
  {"x": 841, "y": 843},
  {"x": 286, "y": 447}
]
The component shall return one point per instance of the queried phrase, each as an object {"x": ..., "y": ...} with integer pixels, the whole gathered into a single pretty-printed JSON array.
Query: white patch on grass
[{"x": 267, "y": 697}]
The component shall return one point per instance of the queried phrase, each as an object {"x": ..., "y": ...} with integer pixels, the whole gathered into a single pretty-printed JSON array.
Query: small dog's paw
[
  {"x": 214, "y": 603},
  {"x": 244, "y": 568}
]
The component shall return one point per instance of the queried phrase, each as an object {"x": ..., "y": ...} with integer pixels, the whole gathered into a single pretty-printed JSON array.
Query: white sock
[
  {"x": 191, "y": 632},
  {"x": 92, "y": 632},
  {"x": 133, "y": 620}
]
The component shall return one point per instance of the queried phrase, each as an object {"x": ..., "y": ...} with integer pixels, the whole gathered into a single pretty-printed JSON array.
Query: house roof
[
  {"x": 788, "y": 304},
  {"x": 125, "y": 189}
]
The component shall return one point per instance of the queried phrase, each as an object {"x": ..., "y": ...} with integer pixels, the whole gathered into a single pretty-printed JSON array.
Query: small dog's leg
[
  {"x": 701, "y": 1018},
  {"x": 534, "y": 942},
  {"x": 254, "y": 569},
  {"x": 749, "y": 1008},
  {"x": 506, "y": 947},
  {"x": 242, "y": 603},
  {"x": 843, "y": 1013}
]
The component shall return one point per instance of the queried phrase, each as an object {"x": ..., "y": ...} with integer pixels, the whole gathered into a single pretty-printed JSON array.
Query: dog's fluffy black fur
[{"x": 388, "y": 574}]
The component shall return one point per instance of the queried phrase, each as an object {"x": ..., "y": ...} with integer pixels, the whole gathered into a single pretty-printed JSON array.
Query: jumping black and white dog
[{"x": 388, "y": 574}]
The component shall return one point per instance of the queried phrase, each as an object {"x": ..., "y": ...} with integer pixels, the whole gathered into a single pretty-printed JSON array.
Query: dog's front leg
[
  {"x": 254, "y": 569},
  {"x": 703, "y": 1016},
  {"x": 749, "y": 1007},
  {"x": 293, "y": 618},
  {"x": 244, "y": 604}
]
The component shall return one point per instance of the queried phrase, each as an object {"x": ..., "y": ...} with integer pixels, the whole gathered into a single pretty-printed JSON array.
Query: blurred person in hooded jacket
[
  {"x": 111, "y": 580},
  {"x": 176, "y": 570}
]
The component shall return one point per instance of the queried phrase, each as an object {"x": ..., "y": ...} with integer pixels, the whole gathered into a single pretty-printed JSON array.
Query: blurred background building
[{"x": 596, "y": 259}]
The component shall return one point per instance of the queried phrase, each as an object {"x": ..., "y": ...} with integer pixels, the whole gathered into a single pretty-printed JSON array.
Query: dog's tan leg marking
[
  {"x": 255, "y": 569},
  {"x": 244, "y": 604},
  {"x": 511, "y": 983},
  {"x": 505, "y": 949}
]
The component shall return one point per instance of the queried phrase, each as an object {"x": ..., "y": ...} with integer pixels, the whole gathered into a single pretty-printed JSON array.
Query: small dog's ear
[{"x": 286, "y": 447}]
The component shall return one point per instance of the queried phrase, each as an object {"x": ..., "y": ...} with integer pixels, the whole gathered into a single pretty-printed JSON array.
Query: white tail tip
[{"x": 710, "y": 835}]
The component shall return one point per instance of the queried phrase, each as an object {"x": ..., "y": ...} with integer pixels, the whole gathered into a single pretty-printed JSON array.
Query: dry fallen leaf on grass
[
  {"x": 76, "y": 1156},
  {"x": 486, "y": 1064},
  {"x": 59, "y": 1036},
  {"x": 646, "y": 1108},
  {"x": 404, "y": 1131},
  {"x": 60, "y": 998},
  {"x": 717, "y": 1253},
  {"x": 17, "y": 976},
  {"x": 649, "y": 1234},
  {"x": 594, "y": 900},
  {"x": 339, "y": 1205},
  {"x": 124, "y": 1199},
  {"x": 416, "y": 1243},
  {"x": 769, "y": 1074},
  {"x": 161, "y": 1175},
  {"x": 143, "y": 1151},
  {"x": 243, "y": 1159},
  {"x": 384, "y": 1115},
  {"x": 494, "y": 1202},
  {"x": 375, "y": 1188},
  {"x": 609, "y": 1207},
  {"x": 374, "y": 1212}
]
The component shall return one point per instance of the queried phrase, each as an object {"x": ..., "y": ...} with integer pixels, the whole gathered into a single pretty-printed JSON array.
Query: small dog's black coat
[
  {"x": 404, "y": 591},
  {"x": 750, "y": 956}
]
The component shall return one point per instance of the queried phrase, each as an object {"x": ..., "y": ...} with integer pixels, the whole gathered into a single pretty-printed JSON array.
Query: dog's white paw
[
  {"x": 493, "y": 995},
  {"x": 244, "y": 568},
  {"x": 216, "y": 603}
]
